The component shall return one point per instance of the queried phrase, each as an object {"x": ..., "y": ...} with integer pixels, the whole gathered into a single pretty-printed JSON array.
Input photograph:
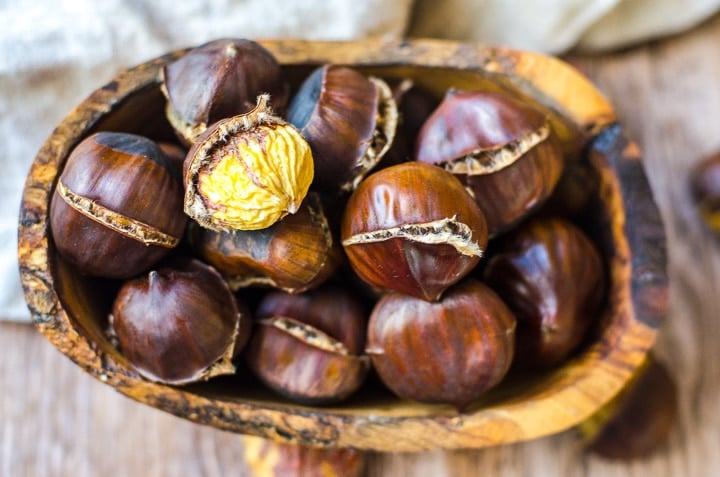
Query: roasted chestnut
[
  {"x": 265, "y": 458},
  {"x": 705, "y": 190},
  {"x": 179, "y": 323},
  {"x": 117, "y": 206},
  {"x": 451, "y": 351},
  {"x": 552, "y": 277},
  {"x": 247, "y": 172},
  {"x": 638, "y": 421},
  {"x": 413, "y": 228},
  {"x": 349, "y": 121},
  {"x": 295, "y": 254},
  {"x": 503, "y": 149},
  {"x": 218, "y": 80},
  {"x": 309, "y": 347}
]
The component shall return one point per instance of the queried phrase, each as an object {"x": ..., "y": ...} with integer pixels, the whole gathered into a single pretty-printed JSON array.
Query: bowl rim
[{"x": 638, "y": 262}]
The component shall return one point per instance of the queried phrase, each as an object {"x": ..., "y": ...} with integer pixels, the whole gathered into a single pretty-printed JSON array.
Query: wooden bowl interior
[{"x": 522, "y": 407}]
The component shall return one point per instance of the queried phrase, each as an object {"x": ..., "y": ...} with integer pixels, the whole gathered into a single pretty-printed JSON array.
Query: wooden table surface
[{"x": 57, "y": 421}]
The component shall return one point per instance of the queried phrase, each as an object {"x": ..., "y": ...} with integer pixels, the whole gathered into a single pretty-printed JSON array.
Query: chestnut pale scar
[
  {"x": 448, "y": 231},
  {"x": 127, "y": 226},
  {"x": 307, "y": 333},
  {"x": 487, "y": 161}
]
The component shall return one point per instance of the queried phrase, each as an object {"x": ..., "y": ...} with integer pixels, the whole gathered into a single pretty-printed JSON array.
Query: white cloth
[{"x": 53, "y": 53}]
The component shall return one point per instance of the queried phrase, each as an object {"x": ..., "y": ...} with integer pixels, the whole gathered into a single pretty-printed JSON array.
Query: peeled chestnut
[
  {"x": 218, "y": 80},
  {"x": 552, "y": 277},
  {"x": 638, "y": 421},
  {"x": 349, "y": 121},
  {"x": 413, "y": 228},
  {"x": 295, "y": 254},
  {"x": 265, "y": 458},
  {"x": 503, "y": 149},
  {"x": 247, "y": 172},
  {"x": 309, "y": 347},
  {"x": 179, "y": 323},
  {"x": 451, "y": 351},
  {"x": 705, "y": 190},
  {"x": 117, "y": 206}
]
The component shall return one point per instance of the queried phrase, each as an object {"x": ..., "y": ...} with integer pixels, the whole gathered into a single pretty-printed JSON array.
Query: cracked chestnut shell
[
  {"x": 451, "y": 351},
  {"x": 117, "y": 206},
  {"x": 218, "y": 80},
  {"x": 247, "y": 172},
  {"x": 502, "y": 149},
  {"x": 552, "y": 277},
  {"x": 412, "y": 228},
  {"x": 349, "y": 121},
  {"x": 309, "y": 347},
  {"x": 295, "y": 254},
  {"x": 179, "y": 323}
]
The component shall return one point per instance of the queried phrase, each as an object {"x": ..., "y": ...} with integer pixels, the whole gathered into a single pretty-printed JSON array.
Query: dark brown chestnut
[
  {"x": 117, "y": 206},
  {"x": 413, "y": 228},
  {"x": 503, "y": 149},
  {"x": 178, "y": 324},
  {"x": 349, "y": 121},
  {"x": 295, "y": 254},
  {"x": 309, "y": 347},
  {"x": 272, "y": 459},
  {"x": 451, "y": 351},
  {"x": 553, "y": 279},
  {"x": 218, "y": 80},
  {"x": 639, "y": 420},
  {"x": 705, "y": 190}
]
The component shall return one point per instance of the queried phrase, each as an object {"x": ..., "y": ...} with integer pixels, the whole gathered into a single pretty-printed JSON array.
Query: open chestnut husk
[
  {"x": 295, "y": 254},
  {"x": 553, "y": 279},
  {"x": 349, "y": 121},
  {"x": 247, "y": 172},
  {"x": 218, "y": 80},
  {"x": 309, "y": 347},
  {"x": 117, "y": 206},
  {"x": 179, "y": 323},
  {"x": 500, "y": 147},
  {"x": 451, "y": 351},
  {"x": 414, "y": 229}
]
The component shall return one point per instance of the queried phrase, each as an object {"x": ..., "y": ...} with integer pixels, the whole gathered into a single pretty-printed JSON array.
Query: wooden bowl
[{"x": 71, "y": 310}]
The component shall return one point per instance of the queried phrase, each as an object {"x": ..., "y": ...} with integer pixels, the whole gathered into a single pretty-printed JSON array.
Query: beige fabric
[{"x": 555, "y": 26}]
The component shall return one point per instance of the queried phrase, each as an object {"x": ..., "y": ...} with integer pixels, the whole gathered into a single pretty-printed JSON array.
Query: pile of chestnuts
[{"x": 312, "y": 233}]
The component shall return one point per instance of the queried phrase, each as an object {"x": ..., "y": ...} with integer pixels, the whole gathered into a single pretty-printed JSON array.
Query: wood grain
[{"x": 57, "y": 420}]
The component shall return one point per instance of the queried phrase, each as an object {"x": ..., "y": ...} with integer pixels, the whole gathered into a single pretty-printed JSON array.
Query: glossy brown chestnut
[
  {"x": 451, "y": 351},
  {"x": 309, "y": 347},
  {"x": 574, "y": 192},
  {"x": 503, "y": 149},
  {"x": 295, "y": 254},
  {"x": 414, "y": 229},
  {"x": 349, "y": 121},
  {"x": 178, "y": 324},
  {"x": 117, "y": 207},
  {"x": 705, "y": 190},
  {"x": 552, "y": 277},
  {"x": 265, "y": 458},
  {"x": 639, "y": 420},
  {"x": 218, "y": 80}
]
